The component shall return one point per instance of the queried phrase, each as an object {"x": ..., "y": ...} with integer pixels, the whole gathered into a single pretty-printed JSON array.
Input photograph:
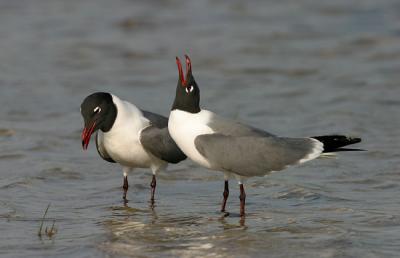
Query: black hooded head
[
  {"x": 99, "y": 112},
  {"x": 187, "y": 96}
]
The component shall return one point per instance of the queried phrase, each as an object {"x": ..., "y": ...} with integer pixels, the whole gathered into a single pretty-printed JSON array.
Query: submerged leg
[
  {"x": 242, "y": 198},
  {"x": 153, "y": 185},
  {"x": 225, "y": 195},
  {"x": 125, "y": 186}
]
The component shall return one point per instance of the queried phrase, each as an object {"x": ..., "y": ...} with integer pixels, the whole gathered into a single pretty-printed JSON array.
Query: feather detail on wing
[
  {"x": 156, "y": 139},
  {"x": 156, "y": 120},
  {"x": 255, "y": 156},
  {"x": 158, "y": 142}
]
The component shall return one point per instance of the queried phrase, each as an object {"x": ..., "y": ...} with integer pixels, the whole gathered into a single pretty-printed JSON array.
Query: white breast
[
  {"x": 184, "y": 127},
  {"x": 122, "y": 141}
]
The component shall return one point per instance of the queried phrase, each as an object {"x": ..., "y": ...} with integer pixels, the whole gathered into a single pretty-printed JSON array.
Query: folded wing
[
  {"x": 256, "y": 156},
  {"x": 157, "y": 140}
]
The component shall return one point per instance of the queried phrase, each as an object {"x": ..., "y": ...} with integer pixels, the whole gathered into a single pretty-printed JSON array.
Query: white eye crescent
[
  {"x": 97, "y": 109},
  {"x": 189, "y": 89}
]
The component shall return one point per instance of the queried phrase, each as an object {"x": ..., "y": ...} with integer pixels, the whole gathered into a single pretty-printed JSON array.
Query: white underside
[
  {"x": 122, "y": 141},
  {"x": 184, "y": 127}
]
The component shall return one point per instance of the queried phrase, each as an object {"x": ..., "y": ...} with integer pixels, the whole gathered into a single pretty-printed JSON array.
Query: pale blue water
[{"x": 294, "y": 68}]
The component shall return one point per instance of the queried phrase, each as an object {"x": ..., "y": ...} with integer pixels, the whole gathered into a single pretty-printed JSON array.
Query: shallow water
[{"x": 294, "y": 68}]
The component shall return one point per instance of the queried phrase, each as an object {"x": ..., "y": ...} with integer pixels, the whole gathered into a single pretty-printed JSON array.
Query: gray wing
[
  {"x": 234, "y": 128},
  {"x": 101, "y": 149},
  {"x": 255, "y": 156},
  {"x": 156, "y": 120},
  {"x": 158, "y": 142}
]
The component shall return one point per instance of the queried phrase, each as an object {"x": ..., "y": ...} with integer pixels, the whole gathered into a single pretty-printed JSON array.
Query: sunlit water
[{"x": 294, "y": 68}]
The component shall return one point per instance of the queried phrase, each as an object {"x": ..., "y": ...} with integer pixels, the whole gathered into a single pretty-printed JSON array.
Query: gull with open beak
[{"x": 234, "y": 148}]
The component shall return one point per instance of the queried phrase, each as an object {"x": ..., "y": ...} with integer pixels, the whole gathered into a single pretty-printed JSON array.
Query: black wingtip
[
  {"x": 353, "y": 140},
  {"x": 348, "y": 149},
  {"x": 333, "y": 143}
]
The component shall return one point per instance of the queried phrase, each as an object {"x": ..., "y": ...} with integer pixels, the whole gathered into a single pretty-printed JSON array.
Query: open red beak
[
  {"x": 86, "y": 133},
  {"x": 180, "y": 70}
]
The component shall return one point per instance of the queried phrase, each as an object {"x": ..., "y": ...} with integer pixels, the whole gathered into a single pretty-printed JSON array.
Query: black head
[
  {"x": 187, "y": 96},
  {"x": 99, "y": 112}
]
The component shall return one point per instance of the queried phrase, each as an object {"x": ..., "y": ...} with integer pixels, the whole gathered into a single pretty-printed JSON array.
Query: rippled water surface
[{"x": 294, "y": 68}]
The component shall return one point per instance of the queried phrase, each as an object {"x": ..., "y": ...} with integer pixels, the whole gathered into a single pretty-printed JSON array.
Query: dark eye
[
  {"x": 189, "y": 89},
  {"x": 97, "y": 110}
]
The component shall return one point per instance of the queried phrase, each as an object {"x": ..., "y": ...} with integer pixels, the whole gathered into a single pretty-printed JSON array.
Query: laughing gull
[
  {"x": 235, "y": 148},
  {"x": 127, "y": 135}
]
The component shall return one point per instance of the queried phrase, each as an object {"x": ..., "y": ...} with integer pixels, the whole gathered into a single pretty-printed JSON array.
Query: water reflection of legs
[
  {"x": 154, "y": 216},
  {"x": 242, "y": 221},
  {"x": 226, "y": 225},
  {"x": 126, "y": 203}
]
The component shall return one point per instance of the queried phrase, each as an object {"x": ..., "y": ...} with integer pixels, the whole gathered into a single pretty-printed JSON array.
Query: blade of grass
[{"x": 41, "y": 224}]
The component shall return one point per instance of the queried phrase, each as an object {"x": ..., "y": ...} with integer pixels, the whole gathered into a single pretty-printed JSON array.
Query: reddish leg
[
  {"x": 242, "y": 198},
  {"x": 125, "y": 187},
  {"x": 225, "y": 195},
  {"x": 153, "y": 185}
]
